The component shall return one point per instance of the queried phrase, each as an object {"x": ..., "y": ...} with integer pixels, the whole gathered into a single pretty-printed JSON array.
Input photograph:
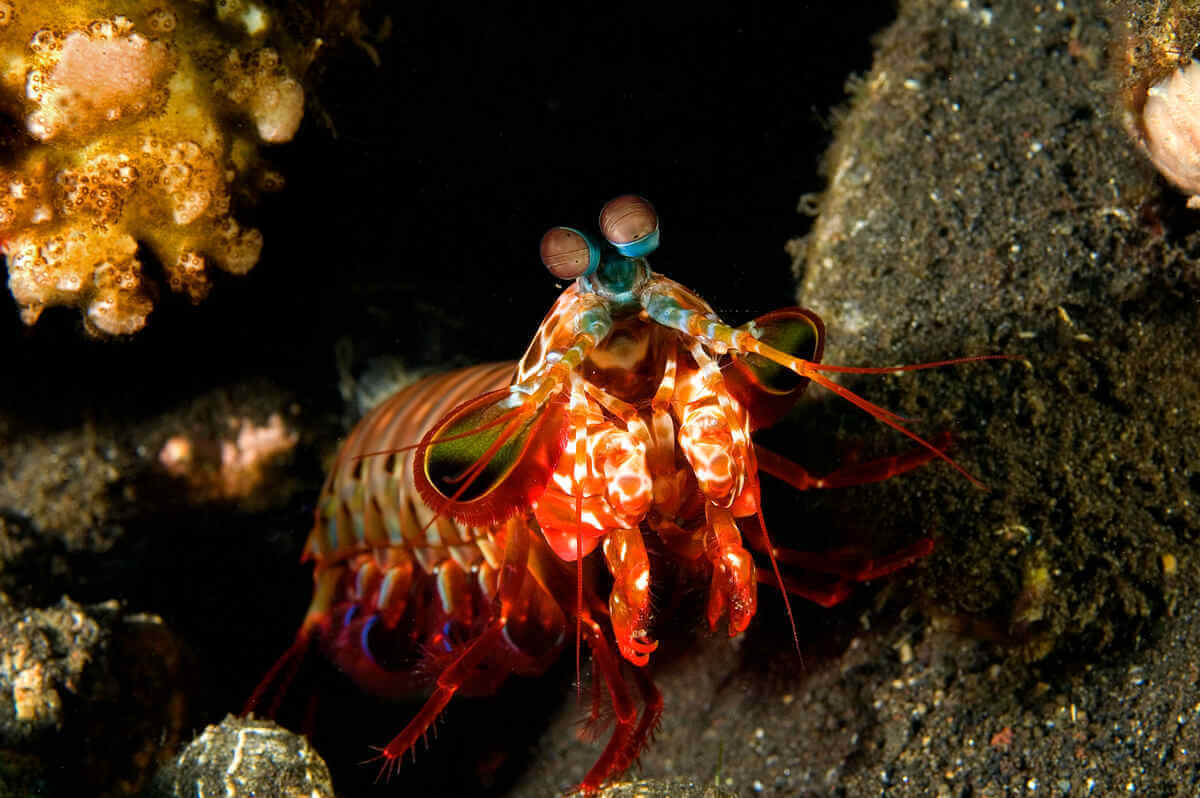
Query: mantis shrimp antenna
[
  {"x": 787, "y": 603},
  {"x": 578, "y": 411},
  {"x": 810, "y": 370}
]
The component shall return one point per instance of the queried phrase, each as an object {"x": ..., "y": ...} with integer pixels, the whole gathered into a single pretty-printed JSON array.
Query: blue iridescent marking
[
  {"x": 348, "y": 618},
  {"x": 362, "y": 637},
  {"x": 446, "y": 628},
  {"x": 638, "y": 247}
]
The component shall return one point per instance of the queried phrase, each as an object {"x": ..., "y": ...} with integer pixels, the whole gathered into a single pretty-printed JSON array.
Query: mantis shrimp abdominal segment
[{"x": 454, "y": 537}]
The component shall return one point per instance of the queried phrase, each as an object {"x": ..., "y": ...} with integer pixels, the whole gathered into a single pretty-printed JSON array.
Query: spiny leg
[
  {"x": 824, "y": 595},
  {"x": 652, "y": 700},
  {"x": 854, "y": 474},
  {"x": 616, "y": 756},
  {"x": 849, "y": 564},
  {"x": 734, "y": 422},
  {"x": 847, "y": 567},
  {"x": 608, "y": 462},
  {"x": 275, "y": 683},
  {"x": 511, "y": 579},
  {"x": 269, "y": 693}
]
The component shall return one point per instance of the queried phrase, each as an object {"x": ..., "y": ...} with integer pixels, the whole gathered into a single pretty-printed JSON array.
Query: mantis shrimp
[{"x": 454, "y": 537}]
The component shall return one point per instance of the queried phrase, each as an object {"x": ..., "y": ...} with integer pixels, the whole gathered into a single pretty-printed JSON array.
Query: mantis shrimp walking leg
[{"x": 512, "y": 576}]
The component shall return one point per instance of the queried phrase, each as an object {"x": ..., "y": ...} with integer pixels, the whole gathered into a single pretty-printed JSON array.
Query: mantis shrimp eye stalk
[
  {"x": 630, "y": 224},
  {"x": 568, "y": 253}
]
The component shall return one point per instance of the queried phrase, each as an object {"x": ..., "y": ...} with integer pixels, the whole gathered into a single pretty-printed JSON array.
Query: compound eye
[
  {"x": 567, "y": 253},
  {"x": 630, "y": 224}
]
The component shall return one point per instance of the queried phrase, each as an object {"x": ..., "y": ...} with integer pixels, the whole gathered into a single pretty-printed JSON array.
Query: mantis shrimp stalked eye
[
  {"x": 462, "y": 526},
  {"x": 568, "y": 254},
  {"x": 630, "y": 224}
]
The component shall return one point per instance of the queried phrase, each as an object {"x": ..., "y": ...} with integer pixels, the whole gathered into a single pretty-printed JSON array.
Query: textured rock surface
[
  {"x": 983, "y": 197},
  {"x": 94, "y": 509},
  {"x": 80, "y": 485},
  {"x": 904, "y": 708},
  {"x": 245, "y": 757},
  {"x": 92, "y": 685}
]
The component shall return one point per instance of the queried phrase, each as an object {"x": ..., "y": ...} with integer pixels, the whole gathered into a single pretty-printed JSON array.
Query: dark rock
[
  {"x": 243, "y": 757},
  {"x": 984, "y": 198},
  {"x": 90, "y": 685}
]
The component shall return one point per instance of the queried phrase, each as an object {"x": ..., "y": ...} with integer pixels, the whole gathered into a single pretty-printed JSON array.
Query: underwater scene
[{"x": 477, "y": 400}]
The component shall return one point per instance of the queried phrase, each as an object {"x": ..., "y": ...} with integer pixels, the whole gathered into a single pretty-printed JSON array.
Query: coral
[
  {"x": 44, "y": 653},
  {"x": 134, "y": 143},
  {"x": 258, "y": 83},
  {"x": 225, "y": 469},
  {"x": 87, "y": 78}
]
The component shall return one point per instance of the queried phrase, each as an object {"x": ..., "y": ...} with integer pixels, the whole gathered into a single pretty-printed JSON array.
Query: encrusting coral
[
  {"x": 132, "y": 140},
  {"x": 228, "y": 469}
]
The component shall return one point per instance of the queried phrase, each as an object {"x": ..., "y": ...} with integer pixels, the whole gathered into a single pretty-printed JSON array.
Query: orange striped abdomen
[{"x": 392, "y": 592}]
